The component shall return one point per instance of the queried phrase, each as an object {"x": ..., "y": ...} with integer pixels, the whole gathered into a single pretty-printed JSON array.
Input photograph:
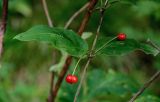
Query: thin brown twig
[
  {"x": 3, "y": 23},
  {"x": 76, "y": 14},
  {"x": 82, "y": 78},
  {"x": 50, "y": 23},
  {"x": 150, "y": 81},
  {"x": 145, "y": 86},
  {"x": 109, "y": 4},
  {"x": 44, "y": 4},
  {"x": 50, "y": 97},
  {"x": 91, "y": 52},
  {"x": 83, "y": 24},
  {"x": 61, "y": 76}
]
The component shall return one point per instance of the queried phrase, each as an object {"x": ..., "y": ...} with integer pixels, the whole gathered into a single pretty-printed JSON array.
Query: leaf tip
[{"x": 15, "y": 37}]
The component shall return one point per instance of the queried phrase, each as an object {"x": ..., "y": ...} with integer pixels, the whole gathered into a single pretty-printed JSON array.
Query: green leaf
[
  {"x": 142, "y": 9},
  {"x": 112, "y": 86},
  {"x": 148, "y": 98},
  {"x": 57, "y": 67},
  {"x": 61, "y": 39},
  {"x": 123, "y": 1},
  {"x": 4, "y": 95},
  {"x": 86, "y": 35},
  {"x": 124, "y": 47},
  {"x": 21, "y": 7}
]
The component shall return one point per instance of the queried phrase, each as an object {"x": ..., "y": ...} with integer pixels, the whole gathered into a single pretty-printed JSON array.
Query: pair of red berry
[{"x": 72, "y": 79}]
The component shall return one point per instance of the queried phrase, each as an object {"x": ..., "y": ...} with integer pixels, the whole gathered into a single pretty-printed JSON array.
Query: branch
[
  {"x": 76, "y": 14},
  {"x": 3, "y": 23},
  {"x": 91, "y": 52},
  {"x": 61, "y": 76},
  {"x": 146, "y": 85},
  {"x": 44, "y": 4},
  {"x": 84, "y": 22},
  {"x": 50, "y": 97},
  {"x": 87, "y": 16}
]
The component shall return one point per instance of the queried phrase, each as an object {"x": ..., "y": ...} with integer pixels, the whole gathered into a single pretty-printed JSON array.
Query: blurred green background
[{"x": 24, "y": 72}]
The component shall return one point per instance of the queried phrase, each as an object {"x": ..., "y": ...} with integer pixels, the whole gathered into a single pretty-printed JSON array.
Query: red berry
[
  {"x": 71, "y": 79},
  {"x": 74, "y": 79},
  {"x": 121, "y": 36}
]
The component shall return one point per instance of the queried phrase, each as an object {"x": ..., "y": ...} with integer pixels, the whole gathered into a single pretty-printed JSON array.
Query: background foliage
[{"x": 24, "y": 75}]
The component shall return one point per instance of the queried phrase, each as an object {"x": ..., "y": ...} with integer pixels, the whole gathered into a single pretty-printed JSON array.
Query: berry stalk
[
  {"x": 76, "y": 66},
  {"x": 120, "y": 36},
  {"x": 103, "y": 46}
]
